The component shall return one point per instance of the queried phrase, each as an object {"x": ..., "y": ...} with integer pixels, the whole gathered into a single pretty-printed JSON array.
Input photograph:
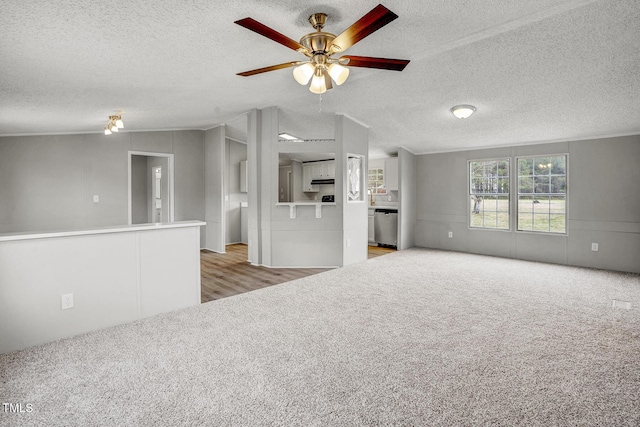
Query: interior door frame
[{"x": 171, "y": 181}]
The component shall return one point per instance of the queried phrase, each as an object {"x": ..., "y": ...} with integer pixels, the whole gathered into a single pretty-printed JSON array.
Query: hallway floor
[{"x": 224, "y": 275}]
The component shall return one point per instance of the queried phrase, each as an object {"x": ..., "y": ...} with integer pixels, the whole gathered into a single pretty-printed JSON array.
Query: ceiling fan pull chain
[{"x": 320, "y": 104}]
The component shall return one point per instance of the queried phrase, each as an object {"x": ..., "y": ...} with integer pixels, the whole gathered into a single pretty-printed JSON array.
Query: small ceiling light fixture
[
  {"x": 114, "y": 124},
  {"x": 288, "y": 137},
  {"x": 463, "y": 111}
]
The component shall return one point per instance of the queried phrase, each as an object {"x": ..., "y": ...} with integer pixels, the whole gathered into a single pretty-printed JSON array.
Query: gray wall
[
  {"x": 602, "y": 206},
  {"x": 139, "y": 190},
  {"x": 407, "y": 195},
  {"x": 352, "y": 138},
  {"x": 215, "y": 177},
  {"x": 48, "y": 182}
]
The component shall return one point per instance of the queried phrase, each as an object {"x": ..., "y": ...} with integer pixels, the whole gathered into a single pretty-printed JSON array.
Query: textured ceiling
[{"x": 537, "y": 71}]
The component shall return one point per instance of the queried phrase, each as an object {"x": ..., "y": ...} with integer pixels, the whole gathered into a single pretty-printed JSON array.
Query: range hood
[{"x": 323, "y": 181}]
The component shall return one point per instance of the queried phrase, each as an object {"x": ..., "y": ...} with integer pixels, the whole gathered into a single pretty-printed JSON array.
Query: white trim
[
  {"x": 214, "y": 251},
  {"x": 296, "y": 266},
  {"x": 407, "y": 149},
  {"x": 519, "y": 144},
  {"x": 99, "y": 230},
  {"x": 235, "y": 140},
  {"x": 125, "y": 131},
  {"x": 353, "y": 119},
  {"x": 510, "y": 199}
]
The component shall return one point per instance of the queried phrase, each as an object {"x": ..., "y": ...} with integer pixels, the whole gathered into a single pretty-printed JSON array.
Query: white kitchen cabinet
[
  {"x": 307, "y": 176},
  {"x": 370, "y": 224},
  {"x": 391, "y": 173},
  {"x": 317, "y": 170},
  {"x": 323, "y": 170},
  {"x": 330, "y": 169}
]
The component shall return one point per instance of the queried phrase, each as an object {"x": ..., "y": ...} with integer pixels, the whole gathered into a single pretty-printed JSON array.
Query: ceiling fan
[{"x": 319, "y": 47}]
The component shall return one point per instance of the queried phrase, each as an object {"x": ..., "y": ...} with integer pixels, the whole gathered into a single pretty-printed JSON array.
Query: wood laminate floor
[{"x": 224, "y": 275}]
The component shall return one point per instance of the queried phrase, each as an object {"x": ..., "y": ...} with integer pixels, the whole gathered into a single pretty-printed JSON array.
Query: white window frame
[
  {"x": 381, "y": 190},
  {"x": 549, "y": 194},
  {"x": 507, "y": 194}
]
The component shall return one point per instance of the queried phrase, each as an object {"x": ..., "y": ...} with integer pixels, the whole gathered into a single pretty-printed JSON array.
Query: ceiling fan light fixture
[
  {"x": 303, "y": 73},
  {"x": 338, "y": 73},
  {"x": 114, "y": 124},
  {"x": 463, "y": 111},
  {"x": 318, "y": 84},
  {"x": 320, "y": 46}
]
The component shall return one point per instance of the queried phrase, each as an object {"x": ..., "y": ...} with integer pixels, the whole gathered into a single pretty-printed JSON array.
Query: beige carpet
[{"x": 418, "y": 337}]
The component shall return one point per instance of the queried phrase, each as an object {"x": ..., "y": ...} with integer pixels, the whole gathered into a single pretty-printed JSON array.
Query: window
[
  {"x": 542, "y": 194},
  {"x": 376, "y": 181},
  {"x": 355, "y": 177},
  {"x": 489, "y": 194}
]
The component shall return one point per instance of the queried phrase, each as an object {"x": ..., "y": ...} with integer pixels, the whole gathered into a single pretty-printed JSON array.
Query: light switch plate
[
  {"x": 96, "y": 198},
  {"x": 594, "y": 247}
]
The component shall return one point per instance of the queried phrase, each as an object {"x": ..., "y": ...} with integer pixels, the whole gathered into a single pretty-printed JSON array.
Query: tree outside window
[{"x": 489, "y": 194}]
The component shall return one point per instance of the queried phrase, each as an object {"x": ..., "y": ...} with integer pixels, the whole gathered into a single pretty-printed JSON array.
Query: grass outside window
[
  {"x": 489, "y": 194},
  {"x": 542, "y": 187}
]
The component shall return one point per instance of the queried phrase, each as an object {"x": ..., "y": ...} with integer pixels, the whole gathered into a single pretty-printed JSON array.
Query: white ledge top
[
  {"x": 7, "y": 237},
  {"x": 306, "y": 204}
]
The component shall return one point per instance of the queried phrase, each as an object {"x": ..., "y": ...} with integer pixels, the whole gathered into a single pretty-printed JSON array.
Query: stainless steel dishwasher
[{"x": 385, "y": 227}]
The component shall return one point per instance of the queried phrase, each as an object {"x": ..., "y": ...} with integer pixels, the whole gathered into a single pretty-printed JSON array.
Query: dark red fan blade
[
  {"x": 263, "y": 30},
  {"x": 377, "y": 18},
  {"x": 271, "y": 68},
  {"x": 382, "y": 63}
]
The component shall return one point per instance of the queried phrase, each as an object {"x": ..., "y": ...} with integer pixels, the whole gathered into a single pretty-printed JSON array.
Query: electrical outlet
[
  {"x": 348, "y": 243},
  {"x": 96, "y": 198},
  {"x": 66, "y": 301},
  {"x": 451, "y": 234},
  {"x": 621, "y": 304},
  {"x": 594, "y": 247}
]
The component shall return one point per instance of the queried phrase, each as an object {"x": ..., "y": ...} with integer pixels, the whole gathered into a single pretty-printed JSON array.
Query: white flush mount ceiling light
[
  {"x": 115, "y": 123},
  {"x": 463, "y": 111}
]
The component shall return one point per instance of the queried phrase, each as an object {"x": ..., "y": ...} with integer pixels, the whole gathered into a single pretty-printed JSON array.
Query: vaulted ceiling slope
[{"x": 537, "y": 71}]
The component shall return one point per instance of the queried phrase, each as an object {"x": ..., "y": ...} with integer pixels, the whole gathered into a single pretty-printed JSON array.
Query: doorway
[{"x": 150, "y": 187}]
